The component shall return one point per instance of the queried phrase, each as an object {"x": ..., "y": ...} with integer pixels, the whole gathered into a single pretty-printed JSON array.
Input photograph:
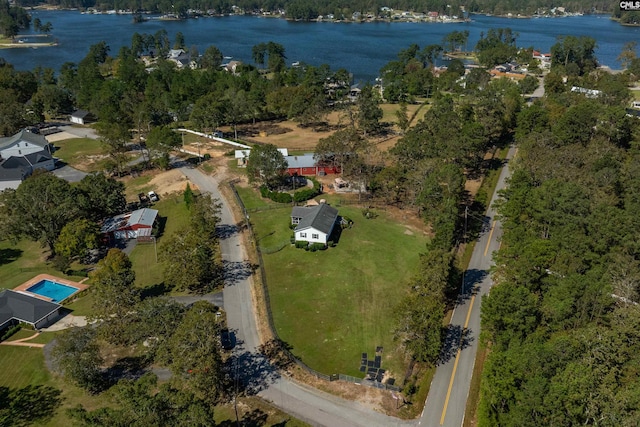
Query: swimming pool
[{"x": 54, "y": 290}]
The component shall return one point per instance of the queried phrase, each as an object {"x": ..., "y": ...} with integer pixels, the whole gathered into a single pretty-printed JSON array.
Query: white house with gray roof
[
  {"x": 314, "y": 223},
  {"x": 20, "y": 155}
]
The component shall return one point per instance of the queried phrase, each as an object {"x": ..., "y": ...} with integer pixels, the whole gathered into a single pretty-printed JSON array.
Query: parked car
[{"x": 153, "y": 196}]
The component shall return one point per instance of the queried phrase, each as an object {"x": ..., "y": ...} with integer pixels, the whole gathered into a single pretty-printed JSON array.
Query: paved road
[
  {"x": 450, "y": 387},
  {"x": 313, "y": 406},
  {"x": 447, "y": 398}
]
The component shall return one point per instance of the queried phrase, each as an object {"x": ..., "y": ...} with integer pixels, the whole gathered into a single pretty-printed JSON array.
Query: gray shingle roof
[
  {"x": 81, "y": 114},
  {"x": 321, "y": 217},
  {"x": 304, "y": 161},
  {"x": 24, "y": 135},
  {"x": 25, "y": 308}
]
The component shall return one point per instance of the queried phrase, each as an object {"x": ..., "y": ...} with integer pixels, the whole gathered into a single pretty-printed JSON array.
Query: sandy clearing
[
  {"x": 170, "y": 182},
  {"x": 60, "y": 136}
]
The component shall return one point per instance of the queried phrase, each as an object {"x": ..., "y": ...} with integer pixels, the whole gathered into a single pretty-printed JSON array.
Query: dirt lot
[{"x": 60, "y": 136}]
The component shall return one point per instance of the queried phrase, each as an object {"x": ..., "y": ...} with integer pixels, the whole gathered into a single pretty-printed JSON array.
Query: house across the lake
[{"x": 314, "y": 224}]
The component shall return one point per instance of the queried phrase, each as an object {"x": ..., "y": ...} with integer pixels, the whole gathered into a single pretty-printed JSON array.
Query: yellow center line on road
[
  {"x": 455, "y": 364},
  {"x": 493, "y": 226}
]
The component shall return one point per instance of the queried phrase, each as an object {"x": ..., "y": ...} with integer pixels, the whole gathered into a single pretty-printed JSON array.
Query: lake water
[{"x": 362, "y": 49}]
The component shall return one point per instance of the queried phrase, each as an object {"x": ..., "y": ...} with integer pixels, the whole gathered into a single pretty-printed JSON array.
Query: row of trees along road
[{"x": 562, "y": 320}]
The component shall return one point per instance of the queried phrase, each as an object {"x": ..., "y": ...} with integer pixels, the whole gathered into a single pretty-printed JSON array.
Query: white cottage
[{"x": 314, "y": 223}]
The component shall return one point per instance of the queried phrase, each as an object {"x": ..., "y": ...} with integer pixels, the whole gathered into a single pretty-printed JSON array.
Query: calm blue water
[
  {"x": 56, "y": 291},
  {"x": 362, "y": 49}
]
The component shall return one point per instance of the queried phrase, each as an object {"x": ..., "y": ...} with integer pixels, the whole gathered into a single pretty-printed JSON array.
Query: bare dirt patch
[
  {"x": 170, "y": 182},
  {"x": 60, "y": 136}
]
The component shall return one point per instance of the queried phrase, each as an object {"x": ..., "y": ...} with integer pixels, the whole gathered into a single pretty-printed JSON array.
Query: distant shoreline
[{"x": 15, "y": 45}]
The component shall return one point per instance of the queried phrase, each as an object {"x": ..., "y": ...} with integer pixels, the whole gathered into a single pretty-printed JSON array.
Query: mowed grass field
[
  {"x": 24, "y": 260},
  {"x": 82, "y": 153},
  {"x": 330, "y": 306},
  {"x": 25, "y": 366}
]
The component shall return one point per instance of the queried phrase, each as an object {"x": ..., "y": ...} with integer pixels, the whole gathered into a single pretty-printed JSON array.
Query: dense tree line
[
  {"x": 562, "y": 317},
  {"x": 62, "y": 217},
  {"x": 341, "y": 9},
  {"x": 12, "y": 19}
]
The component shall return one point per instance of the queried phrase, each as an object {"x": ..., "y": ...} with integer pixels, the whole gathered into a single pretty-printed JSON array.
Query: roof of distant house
[
  {"x": 24, "y": 307},
  {"x": 24, "y": 135},
  {"x": 81, "y": 114},
  {"x": 321, "y": 218},
  {"x": 304, "y": 161}
]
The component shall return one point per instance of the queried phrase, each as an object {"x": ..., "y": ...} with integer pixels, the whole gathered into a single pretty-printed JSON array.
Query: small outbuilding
[
  {"x": 81, "y": 117},
  {"x": 131, "y": 225}
]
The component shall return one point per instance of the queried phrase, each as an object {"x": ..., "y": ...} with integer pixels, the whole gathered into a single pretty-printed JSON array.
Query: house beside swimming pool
[
  {"x": 37, "y": 301},
  {"x": 16, "y": 307}
]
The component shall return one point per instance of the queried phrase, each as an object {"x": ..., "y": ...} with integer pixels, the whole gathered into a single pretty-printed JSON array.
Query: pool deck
[{"x": 40, "y": 277}]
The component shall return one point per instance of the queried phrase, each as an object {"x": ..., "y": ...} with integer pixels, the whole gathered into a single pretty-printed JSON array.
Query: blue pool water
[{"x": 56, "y": 291}]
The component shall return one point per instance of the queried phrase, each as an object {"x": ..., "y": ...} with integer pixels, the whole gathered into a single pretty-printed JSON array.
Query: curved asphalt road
[{"x": 448, "y": 395}]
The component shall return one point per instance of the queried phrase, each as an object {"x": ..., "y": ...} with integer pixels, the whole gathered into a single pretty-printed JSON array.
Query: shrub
[
  {"x": 9, "y": 332},
  {"x": 368, "y": 213},
  {"x": 281, "y": 197},
  {"x": 264, "y": 191},
  {"x": 301, "y": 244},
  {"x": 346, "y": 222},
  {"x": 317, "y": 247}
]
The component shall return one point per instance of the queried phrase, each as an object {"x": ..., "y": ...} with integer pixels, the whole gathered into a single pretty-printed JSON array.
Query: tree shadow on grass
[
  {"x": 255, "y": 418},
  {"x": 9, "y": 255},
  {"x": 156, "y": 290},
  {"x": 132, "y": 367},
  {"x": 27, "y": 405}
]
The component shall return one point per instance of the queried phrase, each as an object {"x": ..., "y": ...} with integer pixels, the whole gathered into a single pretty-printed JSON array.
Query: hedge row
[{"x": 299, "y": 196}]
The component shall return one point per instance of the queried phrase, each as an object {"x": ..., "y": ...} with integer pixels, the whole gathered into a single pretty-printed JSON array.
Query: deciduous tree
[
  {"x": 76, "y": 355},
  {"x": 40, "y": 207},
  {"x": 266, "y": 165}
]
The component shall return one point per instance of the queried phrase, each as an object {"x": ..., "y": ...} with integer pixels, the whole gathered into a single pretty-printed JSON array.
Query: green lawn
[
  {"x": 77, "y": 152},
  {"x": 252, "y": 199},
  {"x": 23, "y": 261},
  {"x": 333, "y": 305},
  {"x": 174, "y": 212},
  {"x": 27, "y": 367}
]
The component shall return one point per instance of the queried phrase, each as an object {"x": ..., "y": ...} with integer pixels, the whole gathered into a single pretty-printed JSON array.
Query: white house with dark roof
[
  {"x": 314, "y": 223},
  {"x": 23, "y": 143},
  {"x": 80, "y": 117},
  {"x": 20, "y": 155},
  {"x": 17, "y": 307}
]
